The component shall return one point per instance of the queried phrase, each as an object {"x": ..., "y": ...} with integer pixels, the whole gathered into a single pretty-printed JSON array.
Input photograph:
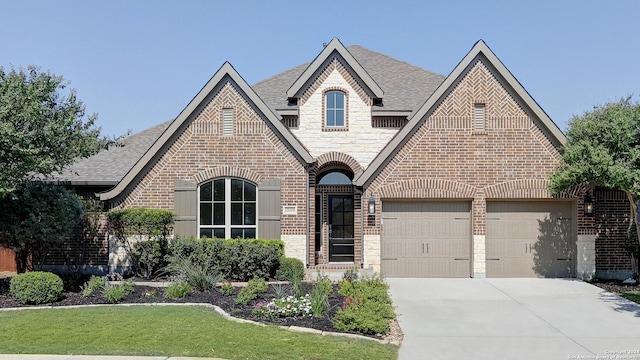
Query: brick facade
[{"x": 202, "y": 152}]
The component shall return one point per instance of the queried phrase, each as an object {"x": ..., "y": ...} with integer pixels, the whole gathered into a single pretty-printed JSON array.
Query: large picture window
[
  {"x": 335, "y": 109},
  {"x": 227, "y": 209}
]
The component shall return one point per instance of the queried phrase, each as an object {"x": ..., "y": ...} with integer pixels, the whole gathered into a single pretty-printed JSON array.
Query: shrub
[
  {"x": 227, "y": 289},
  {"x": 151, "y": 257},
  {"x": 36, "y": 287},
  {"x": 365, "y": 317},
  {"x": 115, "y": 293},
  {"x": 152, "y": 228},
  {"x": 177, "y": 290},
  {"x": 319, "y": 296},
  {"x": 94, "y": 284},
  {"x": 351, "y": 274},
  {"x": 254, "y": 287},
  {"x": 237, "y": 259},
  {"x": 366, "y": 306},
  {"x": 195, "y": 271},
  {"x": 289, "y": 269}
]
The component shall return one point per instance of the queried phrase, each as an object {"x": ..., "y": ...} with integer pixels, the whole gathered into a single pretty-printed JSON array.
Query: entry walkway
[{"x": 513, "y": 319}]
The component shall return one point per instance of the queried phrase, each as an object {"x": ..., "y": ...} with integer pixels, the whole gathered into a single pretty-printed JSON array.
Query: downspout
[{"x": 361, "y": 193}]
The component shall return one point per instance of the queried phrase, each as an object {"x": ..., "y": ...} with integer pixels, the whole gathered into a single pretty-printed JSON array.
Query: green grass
[
  {"x": 168, "y": 331},
  {"x": 632, "y": 295}
]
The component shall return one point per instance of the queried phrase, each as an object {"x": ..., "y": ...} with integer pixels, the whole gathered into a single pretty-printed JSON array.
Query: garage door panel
[
  {"x": 529, "y": 239},
  {"x": 426, "y": 239}
]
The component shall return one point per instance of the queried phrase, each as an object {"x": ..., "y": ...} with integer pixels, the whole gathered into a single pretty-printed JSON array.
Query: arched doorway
[{"x": 335, "y": 229}]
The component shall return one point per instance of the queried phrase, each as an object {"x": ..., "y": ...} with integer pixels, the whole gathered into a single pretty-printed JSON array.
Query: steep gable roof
[
  {"x": 405, "y": 86},
  {"x": 225, "y": 73},
  {"x": 479, "y": 49},
  {"x": 334, "y": 46}
]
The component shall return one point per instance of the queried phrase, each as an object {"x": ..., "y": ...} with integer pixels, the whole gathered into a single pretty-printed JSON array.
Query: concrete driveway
[{"x": 513, "y": 319}]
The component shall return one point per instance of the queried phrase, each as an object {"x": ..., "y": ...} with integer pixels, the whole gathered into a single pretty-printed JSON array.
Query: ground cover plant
[{"x": 176, "y": 331}]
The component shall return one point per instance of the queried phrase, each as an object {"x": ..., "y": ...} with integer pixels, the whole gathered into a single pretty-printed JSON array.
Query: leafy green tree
[
  {"x": 35, "y": 216},
  {"x": 603, "y": 149},
  {"x": 41, "y": 126}
]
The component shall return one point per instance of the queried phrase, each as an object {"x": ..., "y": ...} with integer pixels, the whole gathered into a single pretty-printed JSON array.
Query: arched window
[
  {"x": 227, "y": 209},
  {"x": 334, "y": 109},
  {"x": 334, "y": 178}
]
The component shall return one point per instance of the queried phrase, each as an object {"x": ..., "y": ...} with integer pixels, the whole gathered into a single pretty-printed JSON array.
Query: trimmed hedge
[
  {"x": 290, "y": 269},
  {"x": 235, "y": 259},
  {"x": 36, "y": 287}
]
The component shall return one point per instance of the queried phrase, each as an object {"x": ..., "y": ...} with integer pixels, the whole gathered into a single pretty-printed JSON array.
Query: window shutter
[
  {"x": 227, "y": 122},
  {"x": 478, "y": 117},
  {"x": 185, "y": 202},
  {"x": 269, "y": 209}
]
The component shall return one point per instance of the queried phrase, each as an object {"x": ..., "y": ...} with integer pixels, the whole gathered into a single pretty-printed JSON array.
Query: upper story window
[
  {"x": 334, "y": 109},
  {"x": 227, "y": 209}
]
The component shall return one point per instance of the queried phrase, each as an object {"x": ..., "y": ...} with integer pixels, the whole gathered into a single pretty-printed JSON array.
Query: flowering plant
[
  {"x": 348, "y": 301},
  {"x": 150, "y": 292},
  {"x": 289, "y": 306},
  {"x": 227, "y": 288}
]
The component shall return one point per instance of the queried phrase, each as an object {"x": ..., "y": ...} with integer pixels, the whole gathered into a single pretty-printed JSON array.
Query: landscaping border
[{"x": 221, "y": 312}]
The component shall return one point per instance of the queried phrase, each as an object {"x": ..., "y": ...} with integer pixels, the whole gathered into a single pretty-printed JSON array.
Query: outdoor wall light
[
  {"x": 588, "y": 205},
  {"x": 371, "y": 209}
]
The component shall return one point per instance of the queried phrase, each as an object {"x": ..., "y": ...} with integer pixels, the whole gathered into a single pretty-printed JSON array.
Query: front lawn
[
  {"x": 631, "y": 295},
  {"x": 168, "y": 331}
]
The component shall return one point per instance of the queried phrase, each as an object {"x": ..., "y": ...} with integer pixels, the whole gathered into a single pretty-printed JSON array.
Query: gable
[
  {"x": 198, "y": 108},
  {"x": 334, "y": 49},
  {"x": 335, "y": 65},
  {"x": 479, "y": 78}
]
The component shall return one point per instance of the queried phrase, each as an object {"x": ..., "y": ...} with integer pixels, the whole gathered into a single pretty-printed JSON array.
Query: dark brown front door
[{"x": 340, "y": 221}]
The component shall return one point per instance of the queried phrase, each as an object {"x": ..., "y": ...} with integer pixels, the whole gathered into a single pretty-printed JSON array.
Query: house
[{"x": 360, "y": 159}]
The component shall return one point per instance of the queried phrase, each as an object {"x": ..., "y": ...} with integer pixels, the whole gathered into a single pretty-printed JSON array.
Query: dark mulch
[
  {"x": 615, "y": 286},
  {"x": 211, "y": 297}
]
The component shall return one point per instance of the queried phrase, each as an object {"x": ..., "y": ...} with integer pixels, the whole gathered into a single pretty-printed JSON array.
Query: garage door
[
  {"x": 426, "y": 239},
  {"x": 530, "y": 239}
]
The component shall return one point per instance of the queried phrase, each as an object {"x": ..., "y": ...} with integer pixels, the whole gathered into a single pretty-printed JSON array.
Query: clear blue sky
[{"x": 138, "y": 63}]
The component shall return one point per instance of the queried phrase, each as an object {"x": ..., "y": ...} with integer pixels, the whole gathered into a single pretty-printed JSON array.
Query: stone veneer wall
[{"x": 360, "y": 140}]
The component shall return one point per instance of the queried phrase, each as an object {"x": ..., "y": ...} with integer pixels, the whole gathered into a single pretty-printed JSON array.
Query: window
[
  {"x": 334, "y": 105},
  {"x": 227, "y": 209}
]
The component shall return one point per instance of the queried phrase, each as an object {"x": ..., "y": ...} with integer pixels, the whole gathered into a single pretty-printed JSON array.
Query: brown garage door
[
  {"x": 530, "y": 239},
  {"x": 426, "y": 239}
]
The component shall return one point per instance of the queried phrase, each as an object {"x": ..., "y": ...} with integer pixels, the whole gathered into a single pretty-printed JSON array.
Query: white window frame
[{"x": 227, "y": 207}]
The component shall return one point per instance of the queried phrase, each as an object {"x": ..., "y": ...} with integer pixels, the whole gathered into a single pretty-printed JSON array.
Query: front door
[{"x": 340, "y": 221}]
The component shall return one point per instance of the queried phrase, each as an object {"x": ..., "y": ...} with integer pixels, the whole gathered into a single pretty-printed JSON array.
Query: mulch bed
[
  {"x": 211, "y": 297},
  {"x": 615, "y": 286}
]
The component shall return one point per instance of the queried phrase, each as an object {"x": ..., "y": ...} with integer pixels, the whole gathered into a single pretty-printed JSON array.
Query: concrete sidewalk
[{"x": 513, "y": 319}]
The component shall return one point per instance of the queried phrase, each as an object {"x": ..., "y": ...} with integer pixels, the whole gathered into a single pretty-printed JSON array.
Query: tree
[
  {"x": 35, "y": 216},
  {"x": 42, "y": 129},
  {"x": 603, "y": 149}
]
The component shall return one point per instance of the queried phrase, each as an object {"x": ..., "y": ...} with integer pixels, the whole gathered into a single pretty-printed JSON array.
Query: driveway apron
[{"x": 513, "y": 319}]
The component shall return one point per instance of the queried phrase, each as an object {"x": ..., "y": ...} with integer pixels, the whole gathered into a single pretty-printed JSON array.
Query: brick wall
[
  {"x": 612, "y": 219},
  {"x": 202, "y": 152},
  {"x": 445, "y": 158}
]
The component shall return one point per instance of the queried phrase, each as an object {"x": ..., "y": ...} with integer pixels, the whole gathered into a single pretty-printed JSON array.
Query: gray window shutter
[
  {"x": 269, "y": 209},
  {"x": 185, "y": 201}
]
